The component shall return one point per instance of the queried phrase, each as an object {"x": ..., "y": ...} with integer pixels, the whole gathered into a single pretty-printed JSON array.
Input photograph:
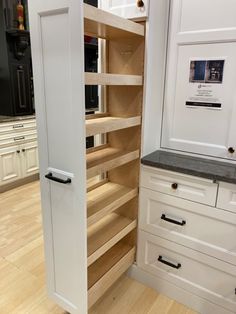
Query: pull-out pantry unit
[{"x": 89, "y": 197}]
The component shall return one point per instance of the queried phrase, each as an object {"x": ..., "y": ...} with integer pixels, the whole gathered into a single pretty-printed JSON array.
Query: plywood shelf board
[
  {"x": 96, "y": 115},
  {"x": 106, "y": 233},
  {"x": 106, "y": 199},
  {"x": 113, "y": 79},
  {"x": 98, "y": 23},
  {"x": 103, "y": 273},
  {"x": 101, "y": 125},
  {"x": 102, "y": 160},
  {"x": 98, "y": 269}
]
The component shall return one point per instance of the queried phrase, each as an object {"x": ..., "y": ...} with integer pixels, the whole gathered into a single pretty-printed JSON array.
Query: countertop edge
[{"x": 190, "y": 172}]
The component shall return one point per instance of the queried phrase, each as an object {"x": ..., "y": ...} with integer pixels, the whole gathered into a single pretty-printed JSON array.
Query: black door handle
[
  {"x": 161, "y": 260},
  {"x": 50, "y": 176},
  {"x": 176, "y": 222}
]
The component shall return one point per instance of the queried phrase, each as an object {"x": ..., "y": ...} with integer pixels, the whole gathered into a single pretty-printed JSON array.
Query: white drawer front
[
  {"x": 17, "y": 138},
  {"x": 200, "y": 227},
  {"x": 17, "y": 126},
  {"x": 227, "y": 197},
  {"x": 197, "y": 273},
  {"x": 176, "y": 184}
]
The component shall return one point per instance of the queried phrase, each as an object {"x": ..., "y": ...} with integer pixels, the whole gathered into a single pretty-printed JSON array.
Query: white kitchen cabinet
[
  {"x": 10, "y": 164},
  {"x": 18, "y": 162},
  {"x": 199, "y": 105},
  {"x": 187, "y": 246},
  {"x": 18, "y": 150},
  {"x": 29, "y": 159},
  {"x": 127, "y": 8},
  {"x": 162, "y": 215},
  {"x": 90, "y": 232},
  {"x": 18, "y": 126},
  {"x": 180, "y": 185},
  {"x": 227, "y": 197},
  {"x": 197, "y": 273}
]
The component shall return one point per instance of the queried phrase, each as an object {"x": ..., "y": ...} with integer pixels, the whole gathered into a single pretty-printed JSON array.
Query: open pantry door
[{"x": 56, "y": 28}]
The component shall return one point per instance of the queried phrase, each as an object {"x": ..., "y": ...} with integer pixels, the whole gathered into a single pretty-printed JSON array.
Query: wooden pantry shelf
[
  {"x": 102, "y": 24},
  {"x": 106, "y": 233},
  {"x": 107, "y": 269},
  {"x": 105, "y": 158},
  {"x": 100, "y": 125},
  {"x": 112, "y": 79},
  {"x": 107, "y": 198}
]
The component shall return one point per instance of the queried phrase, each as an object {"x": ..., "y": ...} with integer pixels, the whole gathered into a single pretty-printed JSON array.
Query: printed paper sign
[{"x": 205, "y": 83}]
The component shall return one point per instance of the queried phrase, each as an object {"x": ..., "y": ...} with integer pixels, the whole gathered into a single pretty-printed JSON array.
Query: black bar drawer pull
[
  {"x": 17, "y": 126},
  {"x": 176, "y": 222},
  {"x": 19, "y": 138},
  {"x": 50, "y": 176},
  {"x": 161, "y": 260}
]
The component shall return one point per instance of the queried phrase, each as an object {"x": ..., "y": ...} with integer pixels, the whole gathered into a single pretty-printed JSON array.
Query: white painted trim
[{"x": 155, "y": 59}]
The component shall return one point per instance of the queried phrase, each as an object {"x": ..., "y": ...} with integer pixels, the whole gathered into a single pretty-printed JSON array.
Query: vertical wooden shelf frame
[
  {"x": 90, "y": 199},
  {"x": 112, "y": 206}
]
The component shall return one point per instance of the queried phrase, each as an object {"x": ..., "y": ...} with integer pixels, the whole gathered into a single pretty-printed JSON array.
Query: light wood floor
[{"x": 22, "y": 278}]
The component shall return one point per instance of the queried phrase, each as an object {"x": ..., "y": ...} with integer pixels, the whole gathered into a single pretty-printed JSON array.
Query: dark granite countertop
[
  {"x": 195, "y": 166},
  {"x": 4, "y": 119}
]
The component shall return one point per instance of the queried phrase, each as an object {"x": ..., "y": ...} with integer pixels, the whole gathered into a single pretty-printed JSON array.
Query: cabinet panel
[
  {"x": 211, "y": 14},
  {"x": 21, "y": 87},
  {"x": 227, "y": 197},
  {"x": 10, "y": 164},
  {"x": 17, "y": 126},
  {"x": 57, "y": 40},
  {"x": 191, "y": 270},
  {"x": 126, "y": 8},
  {"x": 201, "y": 71},
  {"x": 16, "y": 137},
  {"x": 29, "y": 159},
  {"x": 179, "y": 185},
  {"x": 178, "y": 220}
]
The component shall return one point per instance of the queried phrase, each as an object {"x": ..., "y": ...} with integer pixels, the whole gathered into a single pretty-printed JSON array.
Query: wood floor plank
[
  {"x": 177, "y": 308},
  {"x": 143, "y": 304},
  {"x": 120, "y": 298},
  {"x": 22, "y": 273},
  {"x": 161, "y": 305}
]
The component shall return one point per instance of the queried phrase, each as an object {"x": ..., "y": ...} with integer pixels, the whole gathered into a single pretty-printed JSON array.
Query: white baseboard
[{"x": 180, "y": 295}]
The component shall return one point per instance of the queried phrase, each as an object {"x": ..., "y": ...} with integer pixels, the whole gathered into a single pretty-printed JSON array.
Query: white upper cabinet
[
  {"x": 130, "y": 9},
  {"x": 200, "y": 94}
]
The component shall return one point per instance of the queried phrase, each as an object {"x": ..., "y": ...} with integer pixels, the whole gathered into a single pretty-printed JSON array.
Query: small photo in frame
[{"x": 206, "y": 71}]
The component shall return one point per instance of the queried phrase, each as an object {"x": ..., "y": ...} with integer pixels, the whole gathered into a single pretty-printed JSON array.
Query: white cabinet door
[
  {"x": 57, "y": 42},
  {"x": 126, "y": 8},
  {"x": 10, "y": 168},
  {"x": 29, "y": 159},
  {"x": 200, "y": 94}
]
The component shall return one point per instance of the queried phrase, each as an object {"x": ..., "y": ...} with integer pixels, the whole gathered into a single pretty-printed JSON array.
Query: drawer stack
[
  {"x": 187, "y": 234},
  {"x": 18, "y": 150}
]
